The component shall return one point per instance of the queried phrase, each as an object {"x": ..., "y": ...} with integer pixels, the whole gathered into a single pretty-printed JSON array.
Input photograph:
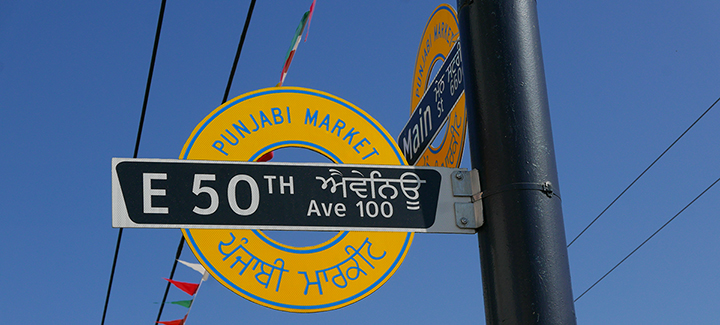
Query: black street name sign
[
  {"x": 433, "y": 109},
  {"x": 191, "y": 194}
]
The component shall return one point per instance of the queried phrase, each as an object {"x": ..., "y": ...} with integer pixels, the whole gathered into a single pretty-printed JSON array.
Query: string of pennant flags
[
  {"x": 189, "y": 288},
  {"x": 304, "y": 22},
  {"x": 192, "y": 288}
]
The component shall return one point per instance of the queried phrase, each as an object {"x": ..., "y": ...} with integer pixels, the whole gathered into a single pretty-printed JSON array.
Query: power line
[
  {"x": 112, "y": 275},
  {"x": 646, "y": 240},
  {"x": 225, "y": 96},
  {"x": 239, "y": 49},
  {"x": 643, "y": 173},
  {"x": 137, "y": 144}
]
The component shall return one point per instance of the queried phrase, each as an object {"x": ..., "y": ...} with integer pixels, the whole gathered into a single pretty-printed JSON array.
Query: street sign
[
  {"x": 167, "y": 193},
  {"x": 436, "y": 101},
  {"x": 434, "y": 107}
]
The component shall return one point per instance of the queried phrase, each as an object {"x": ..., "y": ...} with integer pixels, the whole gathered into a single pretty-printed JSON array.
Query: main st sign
[{"x": 438, "y": 101}]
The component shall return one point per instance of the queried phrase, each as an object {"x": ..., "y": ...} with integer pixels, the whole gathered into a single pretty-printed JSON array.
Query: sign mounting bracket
[{"x": 468, "y": 215}]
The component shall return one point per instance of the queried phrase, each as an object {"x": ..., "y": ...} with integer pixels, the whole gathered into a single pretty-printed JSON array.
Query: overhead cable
[
  {"x": 137, "y": 144},
  {"x": 646, "y": 240},
  {"x": 643, "y": 173},
  {"x": 225, "y": 96}
]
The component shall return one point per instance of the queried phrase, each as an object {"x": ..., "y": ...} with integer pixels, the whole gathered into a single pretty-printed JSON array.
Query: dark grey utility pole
[{"x": 523, "y": 257}]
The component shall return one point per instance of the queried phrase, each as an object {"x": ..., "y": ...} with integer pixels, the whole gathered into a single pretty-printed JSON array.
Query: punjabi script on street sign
[
  {"x": 435, "y": 106},
  {"x": 270, "y": 194}
]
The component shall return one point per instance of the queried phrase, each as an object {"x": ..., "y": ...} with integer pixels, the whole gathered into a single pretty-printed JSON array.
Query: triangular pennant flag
[
  {"x": 194, "y": 266},
  {"x": 312, "y": 9},
  {"x": 174, "y": 322},
  {"x": 184, "y": 303},
  {"x": 266, "y": 157},
  {"x": 197, "y": 267},
  {"x": 189, "y": 288}
]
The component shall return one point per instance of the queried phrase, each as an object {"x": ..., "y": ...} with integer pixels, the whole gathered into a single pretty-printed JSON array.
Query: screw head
[
  {"x": 459, "y": 175},
  {"x": 464, "y": 221}
]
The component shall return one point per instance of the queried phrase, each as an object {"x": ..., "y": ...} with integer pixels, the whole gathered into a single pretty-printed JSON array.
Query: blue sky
[{"x": 624, "y": 79}]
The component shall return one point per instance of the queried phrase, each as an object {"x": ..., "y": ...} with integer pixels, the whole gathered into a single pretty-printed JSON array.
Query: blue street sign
[{"x": 429, "y": 116}]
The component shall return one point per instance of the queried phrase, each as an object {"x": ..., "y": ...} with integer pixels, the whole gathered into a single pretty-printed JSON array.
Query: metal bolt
[
  {"x": 459, "y": 175},
  {"x": 547, "y": 189},
  {"x": 464, "y": 221}
]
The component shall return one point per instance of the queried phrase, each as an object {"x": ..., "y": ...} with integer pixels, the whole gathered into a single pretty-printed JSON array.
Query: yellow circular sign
[
  {"x": 333, "y": 274},
  {"x": 441, "y": 33}
]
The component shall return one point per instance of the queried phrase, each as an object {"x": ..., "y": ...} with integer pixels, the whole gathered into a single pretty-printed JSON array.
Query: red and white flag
[{"x": 296, "y": 40}]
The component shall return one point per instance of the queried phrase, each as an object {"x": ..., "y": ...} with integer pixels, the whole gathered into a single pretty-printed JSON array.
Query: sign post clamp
[{"x": 468, "y": 215}]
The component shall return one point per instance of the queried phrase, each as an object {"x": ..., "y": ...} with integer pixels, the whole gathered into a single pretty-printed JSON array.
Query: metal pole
[{"x": 523, "y": 256}]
